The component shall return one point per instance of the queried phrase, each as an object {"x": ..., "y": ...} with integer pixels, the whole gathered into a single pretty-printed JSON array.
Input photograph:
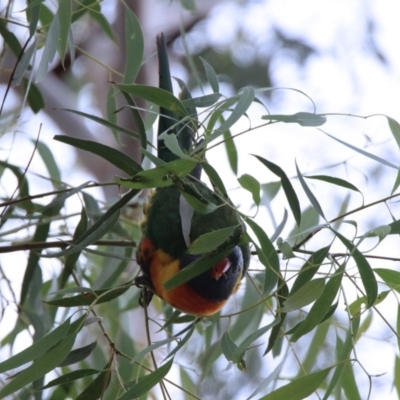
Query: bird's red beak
[{"x": 219, "y": 269}]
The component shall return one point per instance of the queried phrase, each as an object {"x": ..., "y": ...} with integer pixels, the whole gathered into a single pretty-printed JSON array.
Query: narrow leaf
[
  {"x": 211, "y": 75},
  {"x": 41, "y": 366},
  {"x": 134, "y": 46},
  {"x": 210, "y": 241},
  {"x": 144, "y": 385},
  {"x": 307, "y": 294},
  {"x": 367, "y": 276},
  {"x": 334, "y": 181},
  {"x": 287, "y": 187},
  {"x": 155, "y": 95},
  {"x": 309, "y": 194},
  {"x": 300, "y": 388},
  {"x": 37, "y": 349},
  {"x": 322, "y": 305},
  {"x": 114, "y": 156}
]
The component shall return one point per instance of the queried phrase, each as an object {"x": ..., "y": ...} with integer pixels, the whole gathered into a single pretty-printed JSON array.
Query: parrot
[{"x": 171, "y": 225}]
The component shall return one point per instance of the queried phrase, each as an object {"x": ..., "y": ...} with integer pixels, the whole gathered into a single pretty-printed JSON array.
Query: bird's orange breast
[{"x": 183, "y": 297}]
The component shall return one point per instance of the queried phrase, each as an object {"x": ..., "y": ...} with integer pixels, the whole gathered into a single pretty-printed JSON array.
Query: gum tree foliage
[{"x": 320, "y": 277}]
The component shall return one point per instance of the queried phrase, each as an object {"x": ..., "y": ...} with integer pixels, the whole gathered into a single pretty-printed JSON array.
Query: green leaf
[
  {"x": 10, "y": 39},
  {"x": 210, "y": 241},
  {"x": 64, "y": 14},
  {"x": 364, "y": 153},
  {"x": 70, "y": 377},
  {"x": 356, "y": 306},
  {"x": 287, "y": 187},
  {"x": 48, "y": 159},
  {"x": 23, "y": 65},
  {"x": 300, "y": 388},
  {"x": 309, "y": 269},
  {"x": 365, "y": 270},
  {"x": 334, "y": 181},
  {"x": 390, "y": 277},
  {"x": 134, "y": 46},
  {"x": 104, "y": 122},
  {"x": 246, "y": 97},
  {"x": 252, "y": 185},
  {"x": 172, "y": 143},
  {"x": 96, "y": 389},
  {"x": 301, "y": 118},
  {"x": 307, "y": 294},
  {"x": 144, "y": 385},
  {"x": 159, "y": 176},
  {"x": 35, "y": 98},
  {"x": 140, "y": 356},
  {"x": 211, "y": 75},
  {"x": 215, "y": 179},
  {"x": 380, "y": 231},
  {"x": 228, "y": 347},
  {"x": 79, "y": 354},
  {"x": 114, "y": 156},
  {"x": 321, "y": 306},
  {"x": 37, "y": 349},
  {"x": 203, "y": 101},
  {"x": 71, "y": 259},
  {"x": 343, "y": 354},
  {"x": 155, "y": 95},
  {"x": 183, "y": 341},
  {"x": 395, "y": 228},
  {"x": 285, "y": 248},
  {"x": 395, "y": 129},
  {"x": 269, "y": 256},
  {"x": 282, "y": 294},
  {"x": 231, "y": 151},
  {"x": 102, "y": 226},
  {"x": 50, "y": 49},
  {"x": 309, "y": 194},
  {"x": 87, "y": 298},
  {"x": 41, "y": 366},
  {"x": 195, "y": 268},
  {"x": 239, "y": 352}
]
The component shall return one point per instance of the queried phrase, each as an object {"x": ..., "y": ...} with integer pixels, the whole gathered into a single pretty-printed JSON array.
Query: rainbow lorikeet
[{"x": 172, "y": 225}]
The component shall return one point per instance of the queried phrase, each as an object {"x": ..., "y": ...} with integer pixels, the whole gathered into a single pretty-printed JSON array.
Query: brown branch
[{"x": 62, "y": 245}]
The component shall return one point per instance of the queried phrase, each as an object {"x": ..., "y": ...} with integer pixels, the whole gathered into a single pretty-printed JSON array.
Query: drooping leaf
[
  {"x": 321, "y": 306},
  {"x": 287, "y": 187},
  {"x": 309, "y": 269},
  {"x": 211, "y": 76},
  {"x": 40, "y": 366},
  {"x": 251, "y": 184},
  {"x": 134, "y": 46},
  {"x": 96, "y": 389},
  {"x": 367, "y": 276},
  {"x": 309, "y": 193}
]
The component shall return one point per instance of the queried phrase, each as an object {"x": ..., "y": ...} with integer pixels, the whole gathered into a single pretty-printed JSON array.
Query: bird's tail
[{"x": 169, "y": 122}]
